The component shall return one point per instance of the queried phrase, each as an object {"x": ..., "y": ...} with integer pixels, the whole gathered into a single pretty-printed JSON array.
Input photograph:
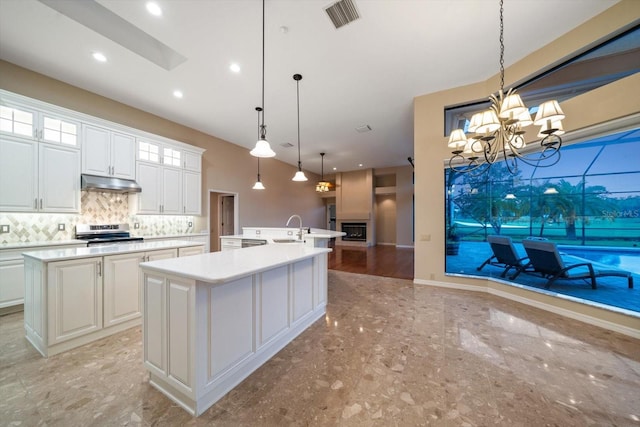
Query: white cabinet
[
  {"x": 170, "y": 179},
  {"x": 192, "y": 250},
  {"x": 38, "y": 177},
  {"x": 74, "y": 298},
  {"x": 228, "y": 243},
  {"x": 161, "y": 189},
  {"x": 191, "y": 193},
  {"x": 121, "y": 285},
  {"x": 12, "y": 274},
  {"x": 107, "y": 153},
  {"x": 11, "y": 282}
]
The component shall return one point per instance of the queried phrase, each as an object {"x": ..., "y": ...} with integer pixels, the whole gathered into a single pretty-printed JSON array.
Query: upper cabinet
[
  {"x": 108, "y": 153},
  {"x": 38, "y": 177},
  {"x": 44, "y": 149},
  {"x": 170, "y": 179},
  {"x": 24, "y": 122}
]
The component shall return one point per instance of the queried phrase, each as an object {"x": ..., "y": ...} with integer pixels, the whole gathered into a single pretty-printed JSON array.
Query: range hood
[{"x": 104, "y": 183}]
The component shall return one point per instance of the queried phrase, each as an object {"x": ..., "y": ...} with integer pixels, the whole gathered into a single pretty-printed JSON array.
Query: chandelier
[
  {"x": 262, "y": 148},
  {"x": 322, "y": 186},
  {"x": 498, "y": 133}
]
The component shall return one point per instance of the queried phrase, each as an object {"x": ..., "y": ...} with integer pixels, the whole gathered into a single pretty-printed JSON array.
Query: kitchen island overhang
[{"x": 211, "y": 320}]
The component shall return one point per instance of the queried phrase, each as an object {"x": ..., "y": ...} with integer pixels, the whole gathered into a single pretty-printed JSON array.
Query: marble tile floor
[{"x": 388, "y": 353}]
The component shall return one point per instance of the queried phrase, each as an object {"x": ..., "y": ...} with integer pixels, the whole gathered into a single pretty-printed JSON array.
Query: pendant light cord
[
  {"x": 298, "y": 104},
  {"x": 501, "y": 46},
  {"x": 322, "y": 166},
  {"x": 263, "y": 63}
]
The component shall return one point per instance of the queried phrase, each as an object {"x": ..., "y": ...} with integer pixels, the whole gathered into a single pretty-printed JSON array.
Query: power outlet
[
  {"x": 61, "y": 227},
  {"x": 190, "y": 224},
  {"x": 5, "y": 228},
  {"x": 136, "y": 225}
]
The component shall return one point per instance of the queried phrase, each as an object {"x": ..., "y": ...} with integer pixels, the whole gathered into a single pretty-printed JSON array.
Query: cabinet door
[
  {"x": 11, "y": 282},
  {"x": 148, "y": 176},
  {"x": 121, "y": 288},
  {"x": 59, "y": 179},
  {"x": 192, "y": 161},
  {"x": 171, "y": 191},
  {"x": 162, "y": 254},
  {"x": 192, "y": 250},
  {"x": 18, "y": 174},
  {"x": 123, "y": 155},
  {"x": 192, "y": 197},
  {"x": 95, "y": 151},
  {"x": 75, "y": 298}
]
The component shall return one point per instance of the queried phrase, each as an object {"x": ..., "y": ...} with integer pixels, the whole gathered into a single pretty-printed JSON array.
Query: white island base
[{"x": 211, "y": 320}]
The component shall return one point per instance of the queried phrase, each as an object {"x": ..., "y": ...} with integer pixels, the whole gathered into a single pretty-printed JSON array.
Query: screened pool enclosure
[{"x": 588, "y": 204}]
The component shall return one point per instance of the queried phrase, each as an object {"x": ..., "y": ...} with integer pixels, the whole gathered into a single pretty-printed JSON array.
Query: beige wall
[
  {"x": 385, "y": 223},
  {"x": 615, "y": 100},
  {"x": 404, "y": 202},
  {"x": 225, "y": 166}
]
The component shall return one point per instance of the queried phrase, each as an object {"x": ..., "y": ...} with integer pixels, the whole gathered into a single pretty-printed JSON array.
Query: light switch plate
[
  {"x": 60, "y": 227},
  {"x": 5, "y": 228},
  {"x": 190, "y": 224}
]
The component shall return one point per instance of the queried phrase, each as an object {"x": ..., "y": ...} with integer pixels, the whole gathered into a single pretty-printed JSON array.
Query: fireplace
[{"x": 355, "y": 231}]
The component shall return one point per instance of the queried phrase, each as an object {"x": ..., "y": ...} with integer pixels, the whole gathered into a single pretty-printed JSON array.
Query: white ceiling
[{"x": 367, "y": 72}]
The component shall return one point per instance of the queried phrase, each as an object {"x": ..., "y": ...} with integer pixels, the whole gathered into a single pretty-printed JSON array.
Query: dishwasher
[{"x": 247, "y": 243}]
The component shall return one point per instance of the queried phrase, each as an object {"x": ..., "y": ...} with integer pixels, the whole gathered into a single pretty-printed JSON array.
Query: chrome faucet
[{"x": 299, "y": 219}]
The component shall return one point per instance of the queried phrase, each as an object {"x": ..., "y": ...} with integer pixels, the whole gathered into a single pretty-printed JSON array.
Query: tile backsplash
[{"x": 96, "y": 208}]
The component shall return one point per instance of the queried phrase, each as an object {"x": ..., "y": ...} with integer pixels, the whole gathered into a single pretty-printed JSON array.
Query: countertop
[
  {"x": 316, "y": 233},
  {"x": 44, "y": 243},
  {"x": 169, "y": 236},
  {"x": 218, "y": 267},
  {"x": 98, "y": 251}
]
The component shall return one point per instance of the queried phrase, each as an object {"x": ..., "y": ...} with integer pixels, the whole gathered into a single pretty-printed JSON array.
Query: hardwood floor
[{"x": 380, "y": 260}]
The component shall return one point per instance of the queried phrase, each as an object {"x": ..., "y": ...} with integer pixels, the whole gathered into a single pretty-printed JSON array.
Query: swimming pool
[{"x": 623, "y": 258}]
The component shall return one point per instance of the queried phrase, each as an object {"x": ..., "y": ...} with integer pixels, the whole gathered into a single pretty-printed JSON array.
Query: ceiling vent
[
  {"x": 286, "y": 145},
  {"x": 342, "y": 12},
  {"x": 363, "y": 128}
]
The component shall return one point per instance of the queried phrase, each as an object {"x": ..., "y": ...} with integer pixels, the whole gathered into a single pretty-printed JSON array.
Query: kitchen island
[
  {"x": 74, "y": 296},
  {"x": 211, "y": 320}
]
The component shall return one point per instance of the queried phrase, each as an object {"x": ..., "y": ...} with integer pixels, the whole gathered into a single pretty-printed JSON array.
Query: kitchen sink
[{"x": 287, "y": 241}]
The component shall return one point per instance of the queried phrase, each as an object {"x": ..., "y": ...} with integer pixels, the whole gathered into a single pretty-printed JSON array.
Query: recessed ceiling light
[
  {"x": 234, "y": 67},
  {"x": 360, "y": 165},
  {"x": 335, "y": 169},
  {"x": 99, "y": 57},
  {"x": 178, "y": 94},
  {"x": 153, "y": 8}
]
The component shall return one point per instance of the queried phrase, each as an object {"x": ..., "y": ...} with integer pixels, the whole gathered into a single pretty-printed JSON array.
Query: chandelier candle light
[
  {"x": 322, "y": 186},
  {"x": 497, "y": 133},
  {"x": 262, "y": 148},
  {"x": 299, "y": 176}
]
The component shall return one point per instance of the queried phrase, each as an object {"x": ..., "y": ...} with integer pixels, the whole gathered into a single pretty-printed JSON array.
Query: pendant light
[
  {"x": 322, "y": 186},
  {"x": 299, "y": 176},
  {"x": 258, "y": 185},
  {"x": 262, "y": 148}
]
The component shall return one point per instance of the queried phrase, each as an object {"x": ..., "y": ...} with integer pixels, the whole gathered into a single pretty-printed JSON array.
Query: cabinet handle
[
  {"x": 40, "y": 203},
  {"x": 99, "y": 268},
  {"x": 35, "y": 203},
  {"x": 143, "y": 260}
]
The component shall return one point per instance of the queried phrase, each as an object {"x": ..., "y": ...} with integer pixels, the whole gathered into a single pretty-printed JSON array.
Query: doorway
[{"x": 223, "y": 216}]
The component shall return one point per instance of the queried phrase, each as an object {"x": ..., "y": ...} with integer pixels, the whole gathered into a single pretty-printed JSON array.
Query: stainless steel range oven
[{"x": 105, "y": 234}]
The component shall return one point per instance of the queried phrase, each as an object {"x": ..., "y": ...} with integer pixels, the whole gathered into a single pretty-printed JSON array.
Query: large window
[{"x": 588, "y": 204}]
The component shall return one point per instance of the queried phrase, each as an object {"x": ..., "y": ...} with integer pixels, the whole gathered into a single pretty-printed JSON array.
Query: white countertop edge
[
  {"x": 316, "y": 233},
  {"x": 99, "y": 251},
  {"x": 42, "y": 244},
  {"x": 225, "y": 266}
]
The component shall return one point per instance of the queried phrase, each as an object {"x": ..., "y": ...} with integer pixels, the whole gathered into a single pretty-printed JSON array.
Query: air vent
[
  {"x": 286, "y": 145},
  {"x": 342, "y": 12},
  {"x": 363, "y": 128}
]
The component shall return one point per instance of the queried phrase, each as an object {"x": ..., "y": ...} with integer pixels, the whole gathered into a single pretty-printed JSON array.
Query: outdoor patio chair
[
  {"x": 504, "y": 255},
  {"x": 547, "y": 261}
]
